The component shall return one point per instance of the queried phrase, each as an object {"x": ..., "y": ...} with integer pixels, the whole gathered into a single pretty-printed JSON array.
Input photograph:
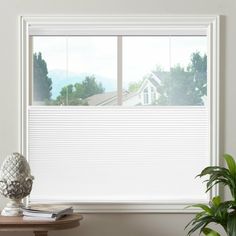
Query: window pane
[
  {"x": 165, "y": 71},
  {"x": 74, "y": 70}
]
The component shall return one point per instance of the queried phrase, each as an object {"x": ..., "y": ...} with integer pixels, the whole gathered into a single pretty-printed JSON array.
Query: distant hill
[{"x": 61, "y": 79}]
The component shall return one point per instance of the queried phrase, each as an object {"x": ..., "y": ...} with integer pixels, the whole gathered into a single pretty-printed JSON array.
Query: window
[
  {"x": 82, "y": 70},
  {"x": 145, "y": 96},
  {"x": 116, "y": 108},
  {"x": 153, "y": 95}
]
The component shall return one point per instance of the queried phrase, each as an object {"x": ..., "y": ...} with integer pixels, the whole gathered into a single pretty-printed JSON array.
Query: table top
[{"x": 10, "y": 223}]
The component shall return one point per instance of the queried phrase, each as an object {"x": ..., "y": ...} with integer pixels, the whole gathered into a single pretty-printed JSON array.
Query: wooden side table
[{"x": 40, "y": 228}]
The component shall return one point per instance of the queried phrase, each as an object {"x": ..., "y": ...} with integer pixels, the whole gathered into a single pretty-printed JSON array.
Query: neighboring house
[
  {"x": 102, "y": 99},
  {"x": 147, "y": 94}
]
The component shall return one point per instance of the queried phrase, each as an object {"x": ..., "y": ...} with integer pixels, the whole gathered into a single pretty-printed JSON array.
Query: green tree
[
  {"x": 198, "y": 67},
  {"x": 65, "y": 95},
  {"x": 134, "y": 86},
  {"x": 90, "y": 87},
  {"x": 76, "y": 94},
  {"x": 42, "y": 84},
  {"x": 184, "y": 87}
]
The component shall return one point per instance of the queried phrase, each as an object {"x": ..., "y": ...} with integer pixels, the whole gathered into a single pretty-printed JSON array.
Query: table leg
[{"x": 40, "y": 233}]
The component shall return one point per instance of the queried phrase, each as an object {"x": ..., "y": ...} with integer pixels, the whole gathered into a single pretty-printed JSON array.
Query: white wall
[{"x": 113, "y": 224}]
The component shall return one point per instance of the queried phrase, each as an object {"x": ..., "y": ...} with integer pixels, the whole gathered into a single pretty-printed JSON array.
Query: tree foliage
[
  {"x": 183, "y": 87},
  {"x": 76, "y": 94},
  {"x": 134, "y": 86},
  {"x": 42, "y": 84}
]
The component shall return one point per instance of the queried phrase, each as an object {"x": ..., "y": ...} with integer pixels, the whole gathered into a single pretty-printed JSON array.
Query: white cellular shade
[
  {"x": 84, "y": 154},
  {"x": 89, "y": 30}
]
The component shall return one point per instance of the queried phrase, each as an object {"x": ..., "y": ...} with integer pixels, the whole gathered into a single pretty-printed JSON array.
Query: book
[
  {"x": 51, "y": 214},
  {"x": 35, "y": 218}
]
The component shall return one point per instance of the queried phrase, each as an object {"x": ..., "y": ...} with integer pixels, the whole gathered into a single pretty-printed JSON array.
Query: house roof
[
  {"x": 100, "y": 99},
  {"x": 154, "y": 81},
  {"x": 110, "y": 98}
]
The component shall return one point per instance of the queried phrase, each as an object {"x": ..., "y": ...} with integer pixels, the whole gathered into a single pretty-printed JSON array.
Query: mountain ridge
[{"x": 61, "y": 78}]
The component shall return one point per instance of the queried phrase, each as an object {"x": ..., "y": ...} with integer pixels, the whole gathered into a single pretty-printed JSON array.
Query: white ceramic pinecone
[{"x": 15, "y": 177}]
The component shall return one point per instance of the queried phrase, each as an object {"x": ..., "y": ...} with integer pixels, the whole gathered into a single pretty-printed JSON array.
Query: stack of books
[{"x": 45, "y": 214}]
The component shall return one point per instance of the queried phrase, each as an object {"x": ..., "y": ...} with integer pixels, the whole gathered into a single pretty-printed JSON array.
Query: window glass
[
  {"x": 157, "y": 70},
  {"x": 74, "y": 70},
  {"x": 174, "y": 67}
]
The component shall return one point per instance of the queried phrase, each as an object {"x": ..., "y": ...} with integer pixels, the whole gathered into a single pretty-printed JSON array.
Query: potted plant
[{"x": 218, "y": 211}]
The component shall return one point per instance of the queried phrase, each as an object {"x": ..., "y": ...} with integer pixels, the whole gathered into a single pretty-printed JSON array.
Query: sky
[{"x": 97, "y": 55}]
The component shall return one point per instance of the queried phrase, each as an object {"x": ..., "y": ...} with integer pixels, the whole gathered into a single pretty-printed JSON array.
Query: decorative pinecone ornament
[{"x": 15, "y": 182}]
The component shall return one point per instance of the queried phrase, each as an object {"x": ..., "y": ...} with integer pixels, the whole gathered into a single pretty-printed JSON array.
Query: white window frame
[{"x": 124, "y": 25}]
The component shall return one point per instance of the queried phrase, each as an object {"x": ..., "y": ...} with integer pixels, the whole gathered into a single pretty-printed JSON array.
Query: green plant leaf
[
  {"x": 222, "y": 213},
  {"x": 210, "y": 232},
  {"x": 208, "y": 170},
  {"x": 231, "y": 224},
  {"x": 230, "y": 163},
  {"x": 200, "y": 223},
  {"x": 203, "y": 207},
  {"x": 216, "y": 200}
]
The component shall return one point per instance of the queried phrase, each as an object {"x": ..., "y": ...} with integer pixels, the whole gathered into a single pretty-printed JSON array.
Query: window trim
[{"x": 122, "y": 25}]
